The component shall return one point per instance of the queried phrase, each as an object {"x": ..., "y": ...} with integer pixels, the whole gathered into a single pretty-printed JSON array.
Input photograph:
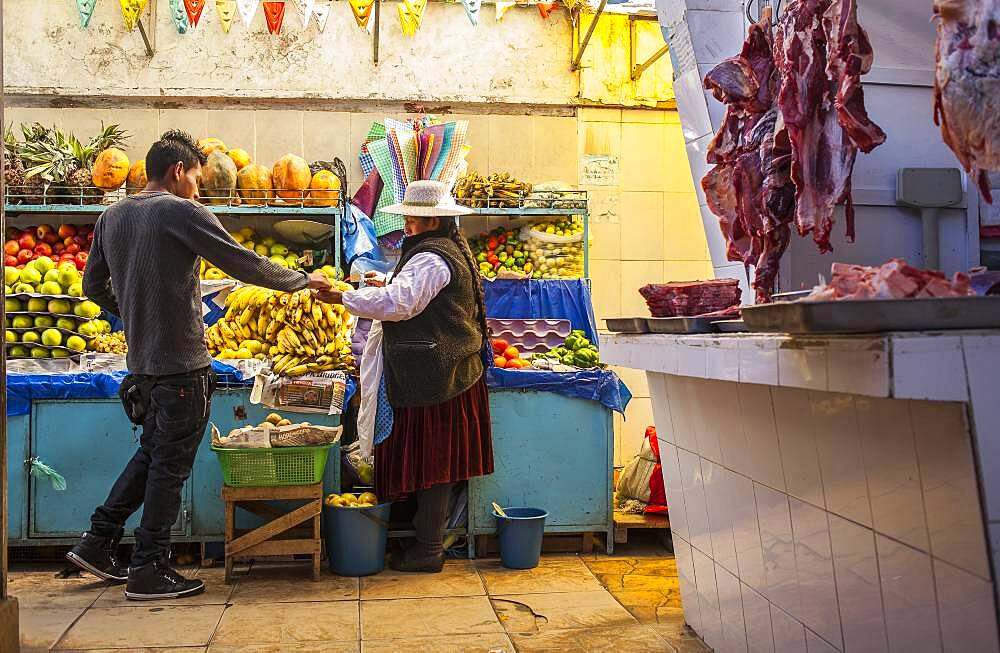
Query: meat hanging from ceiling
[{"x": 967, "y": 84}]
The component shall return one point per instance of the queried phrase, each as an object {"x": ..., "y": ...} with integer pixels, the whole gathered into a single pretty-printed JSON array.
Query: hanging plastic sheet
[
  {"x": 594, "y": 385},
  {"x": 554, "y": 299},
  {"x": 358, "y": 235}
]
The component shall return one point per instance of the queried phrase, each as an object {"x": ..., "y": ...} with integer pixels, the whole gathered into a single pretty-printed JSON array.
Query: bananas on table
[{"x": 299, "y": 334}]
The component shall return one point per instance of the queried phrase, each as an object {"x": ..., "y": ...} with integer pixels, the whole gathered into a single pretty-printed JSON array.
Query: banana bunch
[
  {"x": 110, "y": 343},
  {"x": 499, "y": 190},
  {"x": 298, "y": 334}
]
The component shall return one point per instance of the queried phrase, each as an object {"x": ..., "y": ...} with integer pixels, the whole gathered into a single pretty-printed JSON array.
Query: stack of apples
[{"x": 67, "y": 243}]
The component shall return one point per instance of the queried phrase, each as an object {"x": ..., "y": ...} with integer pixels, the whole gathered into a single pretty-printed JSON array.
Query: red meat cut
[
  {"x": 893, "y": 280},
  {"x": 691, "y": 298}
]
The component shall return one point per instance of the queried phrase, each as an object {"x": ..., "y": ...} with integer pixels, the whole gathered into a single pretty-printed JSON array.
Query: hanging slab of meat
[
  {"x": 967, "y": 84},
  {"x": 821, "y": 52}
]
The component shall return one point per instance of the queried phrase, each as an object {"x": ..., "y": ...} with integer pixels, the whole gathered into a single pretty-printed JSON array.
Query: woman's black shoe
[
  {"x": 99, "y": 556},
  {"x": 408, "y": 561},
  {"x": 157, "y": 580}
]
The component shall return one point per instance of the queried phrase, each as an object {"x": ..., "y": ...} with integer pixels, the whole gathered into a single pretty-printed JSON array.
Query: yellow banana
[
  {"x": 246, "y": 315},
  {"x": 317, "y": 313},
  {"x": 298, "y": 370},
  {"x": 307, "y": 301}
]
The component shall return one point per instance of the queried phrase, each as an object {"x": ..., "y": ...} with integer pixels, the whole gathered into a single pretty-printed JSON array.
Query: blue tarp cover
[
  {"x": 556, "y": 299},
  {"x": 595, "y": 385}
]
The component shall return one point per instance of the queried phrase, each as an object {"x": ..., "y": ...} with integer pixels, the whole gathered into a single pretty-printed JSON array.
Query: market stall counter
[{"x": 842, "y": 486}]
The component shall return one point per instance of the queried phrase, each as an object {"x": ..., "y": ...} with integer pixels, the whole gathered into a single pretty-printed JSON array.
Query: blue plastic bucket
[
  {"x": 355, "y": 539},
  {"x": 520, "y": 535}
]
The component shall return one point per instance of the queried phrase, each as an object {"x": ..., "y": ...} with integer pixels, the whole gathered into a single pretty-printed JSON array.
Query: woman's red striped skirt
[{"x": 430, "y": 445}]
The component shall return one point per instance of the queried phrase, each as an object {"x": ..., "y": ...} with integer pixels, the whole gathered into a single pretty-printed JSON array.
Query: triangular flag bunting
[
  {"x": 502, "y": 7},
  {"x": 472, "y": 8},
  {"x": 322, "y": 13},
  {"x": 410, "y": 13},
  {"x": 274, "y": 13},
  {"x": 305, "y": 8},
  {"x": 180, "y": 18},
  {"x": 546, "y": 8},
  {"x": 247, "y": 9},
  {"x": 86, "y": 9},
  {"x": 131, "y": 9},
  {"x": 227, "y": 12},
  {"x": 194, "y": 9},
  {"x": 362, "y": 10}
]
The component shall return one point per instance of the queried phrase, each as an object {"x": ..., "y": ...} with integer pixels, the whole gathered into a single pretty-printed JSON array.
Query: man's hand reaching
[
  {"x": 318, "y": 281},
  {"x": 329, "y": 296}
]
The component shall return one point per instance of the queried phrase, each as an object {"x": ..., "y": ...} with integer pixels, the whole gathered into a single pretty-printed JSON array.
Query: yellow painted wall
[{"x": 605, "y": 74}]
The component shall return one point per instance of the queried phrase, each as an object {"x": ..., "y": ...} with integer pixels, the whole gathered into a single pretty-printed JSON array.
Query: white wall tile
[
  {"x": 816, "y": 644},
  {"x": 803, "y": 368},
  {"x": 703, "y": 409},
  {"x": 789, "y": 634},
  {"x": 684, "y": 555},
  {"x": 858, "y": 367},
  {"x": 718, "y": 490},
  {"x": 714, "y": 33},
  {"x": 691, "y": 359},
  {"x": 675, "y": 494},
  {"x": 757, "y": 614},
  {"x": 914, "y": 356},
  {"x": 759, "y": 360},
  {"x": 721, "y": 424},
  {"x": 799, "y": 458},
  {"x": 694, "y": 500},
  {"x": 951, "y": 492},
  {"x": 778, "y": 546},
  {"x": 891, "y": 467},
  {"x": 723, "y": 360},
  {"x": 734, "y": 631},
  {"x": 696, "y": 151},
  {"x": 982, "y": 360},
  {"x": 680, "y": 412},
  {"x": 746, "y": 534},
  {"x": 859, "y": 590},
  {"x": 911, "y": 616},
  {"x": 708, "y": 600},
  {"x": 763, "y": 457},
  {"x": 838, "y": 441},
  {"x": 661, "y": 406},
  {"x": 967, "y": 609},
  {"x": 691, "y": 105},
  {"x": 814, "y": 567}
]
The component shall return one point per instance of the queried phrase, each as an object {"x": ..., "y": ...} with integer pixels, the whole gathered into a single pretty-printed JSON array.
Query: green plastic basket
[{"x": 272, "y": 467}]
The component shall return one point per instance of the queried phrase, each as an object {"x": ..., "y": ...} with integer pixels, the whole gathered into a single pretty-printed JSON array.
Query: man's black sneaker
[
  {"x": 99, "y": 556},
  {"x": 157, "y": 580}
]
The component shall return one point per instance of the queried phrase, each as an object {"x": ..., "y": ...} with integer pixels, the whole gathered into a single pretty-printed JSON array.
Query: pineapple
[
  {"x": 48, "y": 157},
  {"x": 79, "y": 179},
  {"x": 13, "y": 169},
  {"x": 33, "y": 154}
]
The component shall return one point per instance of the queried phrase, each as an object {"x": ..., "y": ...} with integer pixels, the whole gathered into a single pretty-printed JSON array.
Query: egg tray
[{"x": 530, "y": 336}]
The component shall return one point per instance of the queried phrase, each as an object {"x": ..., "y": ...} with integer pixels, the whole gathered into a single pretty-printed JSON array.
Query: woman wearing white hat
[{"x": 427, "y": 349}]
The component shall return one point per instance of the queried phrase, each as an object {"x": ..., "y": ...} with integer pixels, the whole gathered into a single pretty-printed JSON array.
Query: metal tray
[
  {"x": 875, "y": 315},
  {"x": 627, "y": 324},
  {"x": 680, "y": 324},
  {"x": 730, "y": 326}
]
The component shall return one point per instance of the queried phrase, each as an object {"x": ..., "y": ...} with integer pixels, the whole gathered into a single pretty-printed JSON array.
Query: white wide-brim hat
[{"x": 427, "y": 199}]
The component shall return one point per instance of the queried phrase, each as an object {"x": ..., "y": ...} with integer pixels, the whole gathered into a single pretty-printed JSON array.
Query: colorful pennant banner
[
  {"x": 274, "y": 13},
  {"x": 322, "y": 13},
  {"x": 362, "y": 10},
  {"x": 305, "y": 8},
  {"x": 472, "y": 8},
  {"x": 194, "y": 9},
  {"x": 247, "y": 9},
  {"x": 131, "y": 10},
  {"x": 227, "y": 12},
  {"x": 546, "y": 8},
  {"x": 410, "y": 14},
  {"x": 502, "y": 7},
  {"x": 86, "y": 9},
  {"x": 179, "y": 16}
]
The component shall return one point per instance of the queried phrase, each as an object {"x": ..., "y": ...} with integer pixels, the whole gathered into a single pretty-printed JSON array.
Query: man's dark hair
[{"x": 172, "y": 147}]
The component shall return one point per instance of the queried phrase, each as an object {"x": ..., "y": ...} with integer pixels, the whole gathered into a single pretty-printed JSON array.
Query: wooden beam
[
  {"x": 375, "y": 36},
  {"x": 639, "y": 69},
  {"x": 269, "y": 530},
  {"x": 586, "y": 39}
]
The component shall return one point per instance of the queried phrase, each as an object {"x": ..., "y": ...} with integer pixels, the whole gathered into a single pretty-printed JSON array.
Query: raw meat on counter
[
  {"x": 966, "y": 102},
  {"x": 893, "y": 280},
  {"x": 691, "y": 298}
]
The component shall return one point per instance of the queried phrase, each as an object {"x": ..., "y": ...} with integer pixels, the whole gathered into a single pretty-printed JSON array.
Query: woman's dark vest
[{"x": 435, "y": 356}]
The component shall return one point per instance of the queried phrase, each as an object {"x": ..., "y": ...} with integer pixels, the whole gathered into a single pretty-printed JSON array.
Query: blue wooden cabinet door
[
  {"x": 550, "y": 452},
  {"x": 89, "y": 442},
  {"x": 17, "y": 476}
]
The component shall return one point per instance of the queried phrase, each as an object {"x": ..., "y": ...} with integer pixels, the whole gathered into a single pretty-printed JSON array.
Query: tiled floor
[{"x": 569, "y": 603}]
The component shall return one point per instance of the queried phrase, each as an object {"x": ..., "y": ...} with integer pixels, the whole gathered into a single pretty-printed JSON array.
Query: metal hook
[{"x": 760, "y": 9}]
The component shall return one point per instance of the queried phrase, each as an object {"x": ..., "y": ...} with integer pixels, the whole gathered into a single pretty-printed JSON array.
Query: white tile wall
[
  {"x": 914, "y": 356},
  {"x": 660, "y": 401},
  {"x": 723, "y": 424},
  {"x": 799, "y": 457},
  {"x": 718, "y": 490},
  {"x": 789, "y": 634},
  {"x": 763, "y": 457},
  {"x": 908, "y": 595},
  {"x": 723, "y": 359},
  {"x": 803, "y": 368},
  {"x": 708, "y": 600},
  {"x": 779, "y": 548},
  {"x": 838, "y": 442},
  {"x": 858, "y": 366},
  {"x": 684, "y": 555},
  {"x": 859, "y": 591},
  {"x": 891, "y": 467},
  {"x": 681, "y": 409},
  {"x": 951, "y": 493},
  {"x": 734, "y": 631},
  {"x": 757, "y": 615},
  {"x": 694, "y": 500},
  {"x": 759, "y": 361},
  {"x": 982, "y": 360},
  {"x": 700, "y": 393},
  {"x": 675, "y": 494},
  {"x": 968, "y": 614},
  {"x": 691, "y": 358},
  {"x": 814, "y": 567},
  {"x": 746, "y": 534}
]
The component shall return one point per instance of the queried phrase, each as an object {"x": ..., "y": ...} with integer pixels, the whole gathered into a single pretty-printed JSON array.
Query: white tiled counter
[{"x": 830, "y": 493}]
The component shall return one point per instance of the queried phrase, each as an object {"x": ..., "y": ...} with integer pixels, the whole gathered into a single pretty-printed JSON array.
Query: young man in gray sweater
[{"x": 143, "y": 267}]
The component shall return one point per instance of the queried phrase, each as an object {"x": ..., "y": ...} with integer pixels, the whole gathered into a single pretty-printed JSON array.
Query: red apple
[
  {"x": 43, "y": 229},
  {"x": 50, "y": 238},
  {"x": 80, "y": 240},
  {"x": 27, "y": 241},
  {"x": 43, "y": 249},
  {"x": 10, "y": 261},
  {"x": 68, "y": 240},
  {"x": 81, "y": 260},
  {"x": 67, "y": 231},
  {"x": 25, "y": 255},
  {"x": 90, "y": 237},
  {"x": 84, "y": 229},
  {"x": 11, "y": 247},
  {"x": 72, "y": 248},
  {"x": 58, "y": 248}
]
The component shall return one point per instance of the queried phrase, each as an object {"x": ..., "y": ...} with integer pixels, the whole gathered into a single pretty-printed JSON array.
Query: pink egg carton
[{"x": 530, "y": 336}]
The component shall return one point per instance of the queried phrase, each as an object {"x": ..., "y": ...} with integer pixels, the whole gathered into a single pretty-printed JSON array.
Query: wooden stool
[{"x": 280, "y": 535}]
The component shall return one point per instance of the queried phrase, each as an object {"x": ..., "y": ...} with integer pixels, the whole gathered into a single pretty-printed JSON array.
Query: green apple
[
  {"x": 22, "y": 322},
  {"x": 31, "y": 337},
  {"x": 75, "y": 290},
  {"x": 9, "y": 337},
  {"x": 89, "y": 329},
  {"x": 43, "y": 264},
  {"x": 38, "y": 305},
  {"x": 66, "y": 276},
  {"x": 87, "y": 309},
  {"x": 51, "y": 275},
  {"x": 39, "y": 352},
  {"x": 104, "y": 326},
  {"x": 51, "y": 288},
  {"x": 59, "y": 306},
  {"x": 23, "y": 288},
  {"x": 52, "y": 337},
  {"x": 60, "y": 353},
  {"x": 67, "y": 265},
  {"x": 279, "y": 250},
  {"x": 19, "y": 351},
  {"x": 11, "y": 305},
  {"x": 30, "y": 275},
  {"x": 44, "y": 321},
  {"x": 76, "y": 343},
  {"x": 67, "y": 323},
  {"x": 11, "y": 275}
]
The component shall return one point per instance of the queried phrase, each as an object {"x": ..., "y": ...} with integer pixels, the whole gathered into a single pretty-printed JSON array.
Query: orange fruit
[
  {"x": 499, "y": 346},
  {"x": 511, "y": 352},
  {"x": 500, "y": 361}
]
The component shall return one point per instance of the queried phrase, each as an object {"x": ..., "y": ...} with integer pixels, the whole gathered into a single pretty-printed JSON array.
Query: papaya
[
  {"x": 291, "y": 177},
  {"x": 209, "y": 145},
  {"x": 240, "y": 157},
  {"x": 218, "y": 179},
  {"x": 137, "y": 178},
  {"x": 110, "y": 169},
  {"x": 324, "y": 189},
  {"x": 254, "y": 184}
]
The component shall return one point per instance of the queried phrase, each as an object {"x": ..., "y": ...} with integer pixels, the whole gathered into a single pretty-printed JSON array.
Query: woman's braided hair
[{"x": 477, "y": 285}]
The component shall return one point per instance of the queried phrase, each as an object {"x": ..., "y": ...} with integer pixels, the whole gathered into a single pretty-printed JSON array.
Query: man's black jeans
[{"x": 174, "y": 425}]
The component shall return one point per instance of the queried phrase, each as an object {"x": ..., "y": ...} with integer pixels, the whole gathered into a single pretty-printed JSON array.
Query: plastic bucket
[
  {"x": 520, "y": 535},
  {"x": 355, "y": 539}
]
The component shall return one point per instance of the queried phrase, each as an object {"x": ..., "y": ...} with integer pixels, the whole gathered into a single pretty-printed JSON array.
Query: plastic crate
[{"x": 272, "y": 467}]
